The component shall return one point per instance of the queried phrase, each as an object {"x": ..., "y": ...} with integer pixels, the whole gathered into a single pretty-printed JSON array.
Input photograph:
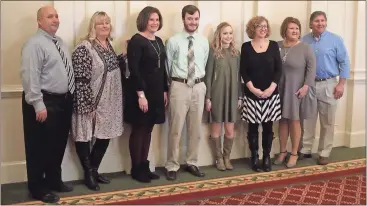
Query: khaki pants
[
  {"x": 326, "y": 108},
  {"x": 186, "y": 104}
]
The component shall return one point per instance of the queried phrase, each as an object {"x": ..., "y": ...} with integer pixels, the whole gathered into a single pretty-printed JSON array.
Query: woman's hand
[
  {"x": 302, "y": 92},
  {"x": 257, "y": 92},
  {"x": 143, "y": 104},
  {"x": 239, "y": 104},
  {"x": 269, "y": 91}
]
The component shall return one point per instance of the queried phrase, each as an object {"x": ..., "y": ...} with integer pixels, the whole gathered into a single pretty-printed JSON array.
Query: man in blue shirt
[
  {"x": 187, "y": 54},
  {"x": 332, "y": 60}
]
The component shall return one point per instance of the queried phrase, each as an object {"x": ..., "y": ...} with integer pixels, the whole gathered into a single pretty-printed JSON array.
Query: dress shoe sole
[
  {"x": 53, "y": 199},
  {"x": 62, "y": 190}
]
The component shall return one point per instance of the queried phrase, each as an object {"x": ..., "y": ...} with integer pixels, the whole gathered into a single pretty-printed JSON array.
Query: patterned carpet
[
  {"x": 335, "y": 183},
  {"x": 341, "y": 191}
]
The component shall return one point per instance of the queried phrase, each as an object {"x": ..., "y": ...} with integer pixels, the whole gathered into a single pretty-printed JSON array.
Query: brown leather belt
[
  {"x": 322, "y": 79},
  {"x": 197, "y": 81}
]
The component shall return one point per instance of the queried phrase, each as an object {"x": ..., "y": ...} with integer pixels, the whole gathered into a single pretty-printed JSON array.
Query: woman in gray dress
[
  {"x": 223, "y": 92},
  {"x": 297, "y": 81}
]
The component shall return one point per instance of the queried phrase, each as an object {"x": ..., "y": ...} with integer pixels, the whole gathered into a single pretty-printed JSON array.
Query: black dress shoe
[
  {"x": 61, "y": 187},
  {"x": 302, "y": 156},
  {"x": 100, "y": 178},
  {"x": 171, "y": 175},
  {"x": 47, "y": 197},
  {"x": 194, "y": 171}
]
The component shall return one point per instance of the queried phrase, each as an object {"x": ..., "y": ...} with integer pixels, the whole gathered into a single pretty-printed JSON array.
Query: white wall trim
[
  {"x": 358, "y": 76},
  {"x": 11, "y": 91},
  {"x": 13, "y": 172},
  {"x": 356, "y": 139}
]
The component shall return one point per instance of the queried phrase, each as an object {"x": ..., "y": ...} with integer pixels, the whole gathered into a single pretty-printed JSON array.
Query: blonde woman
[
  {"x": 223, "y": 92},
  {"x": 98, "y": 97}
]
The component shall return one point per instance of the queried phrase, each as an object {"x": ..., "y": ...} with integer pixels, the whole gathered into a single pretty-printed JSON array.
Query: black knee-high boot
[
  {"x": 98, "y": 151},
  {"x": 253, "y": 141},
  {"x": 82, "y": 149},
  {"x": 267, "y": 142}
]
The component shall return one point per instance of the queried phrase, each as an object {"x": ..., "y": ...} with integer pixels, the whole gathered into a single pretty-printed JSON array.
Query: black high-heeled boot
[
  {"x": 138, "y": 173},
  {"x": 82, "y": 149},
  {"x": 267, "y": 142},
  {"x": 253, "y": 141},
  {"x": 96, "y": 156},
  {"x": 150, "y": 174}
]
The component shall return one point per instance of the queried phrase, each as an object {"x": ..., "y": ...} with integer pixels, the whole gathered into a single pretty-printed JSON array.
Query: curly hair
[
  {"x": 253, "y": 23},
  {"x": 217, "y": 42}
]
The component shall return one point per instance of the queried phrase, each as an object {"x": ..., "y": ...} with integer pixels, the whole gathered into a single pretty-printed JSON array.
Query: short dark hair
[
  {"x": 143, "y": 18},
  {"x": 316, "y": 14},
  {"x": 286, "y": 22},
  {"x": 190, "y": 9}
]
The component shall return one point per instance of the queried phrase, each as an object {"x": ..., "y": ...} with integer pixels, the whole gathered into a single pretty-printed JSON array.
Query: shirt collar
[
  {"x": 44, "y": 33},
  {"x": 186, "y": 34},
  {"x": 323, "y": 34}
]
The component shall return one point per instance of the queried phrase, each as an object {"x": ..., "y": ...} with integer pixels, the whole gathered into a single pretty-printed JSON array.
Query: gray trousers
[{"x": 326, "y": 109}]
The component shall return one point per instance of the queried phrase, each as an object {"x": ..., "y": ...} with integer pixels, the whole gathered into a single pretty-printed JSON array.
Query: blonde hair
[
  {"x": 217, "y": 42},
  {"x": 91, "y": 36}
]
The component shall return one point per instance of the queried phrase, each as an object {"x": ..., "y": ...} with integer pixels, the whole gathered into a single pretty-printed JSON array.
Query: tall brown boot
[
  {"x": 217, "y": 152},
  {"x": 227, "y": 148}
]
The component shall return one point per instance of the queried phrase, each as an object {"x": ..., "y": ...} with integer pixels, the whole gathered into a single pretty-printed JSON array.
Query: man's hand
[
  {"x": 165, "y": 99},
  {"x": 41, "y": 116},
  {"x": 338, "y": 91},
  {"x": 208, "y": 105}
]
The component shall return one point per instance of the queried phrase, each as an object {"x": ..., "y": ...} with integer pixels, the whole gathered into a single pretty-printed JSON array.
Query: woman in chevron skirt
[{"x": 260, "y": 69}]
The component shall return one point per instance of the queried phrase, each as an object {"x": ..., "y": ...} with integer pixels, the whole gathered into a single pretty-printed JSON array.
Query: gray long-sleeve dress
[
  {"x": 299, "y": 69},
  {"x": 223, "y": 84}
]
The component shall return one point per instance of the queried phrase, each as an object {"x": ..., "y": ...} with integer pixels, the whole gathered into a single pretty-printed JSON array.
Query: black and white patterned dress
[
  {"x": 98, "y": 96},
  {"x": 261, "y": 69}
]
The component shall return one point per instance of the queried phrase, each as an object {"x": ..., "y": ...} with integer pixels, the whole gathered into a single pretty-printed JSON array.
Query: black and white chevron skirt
[{"x": 258, "y": 111}]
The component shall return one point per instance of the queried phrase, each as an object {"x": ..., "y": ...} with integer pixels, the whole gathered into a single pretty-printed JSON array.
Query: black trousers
[{"x": 45, "y": 142}]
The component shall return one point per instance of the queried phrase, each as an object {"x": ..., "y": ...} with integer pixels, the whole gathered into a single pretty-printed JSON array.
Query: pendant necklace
[
  {"x": 284, "y": 58},
  {"x": 100, "y": 43},
  {"x": 158, "y": 52}
]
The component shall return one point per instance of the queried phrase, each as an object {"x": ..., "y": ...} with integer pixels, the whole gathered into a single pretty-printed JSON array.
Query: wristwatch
[{"x": 141, "y": 95}]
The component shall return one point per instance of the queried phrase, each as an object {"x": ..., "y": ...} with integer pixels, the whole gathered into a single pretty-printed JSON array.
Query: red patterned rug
[
  {"x": 340, "y": 191},
  {"x": 336, "y": 183}
]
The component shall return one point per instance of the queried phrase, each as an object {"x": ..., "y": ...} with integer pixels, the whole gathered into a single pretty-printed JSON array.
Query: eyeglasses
[{"x": 259, "y": 26}]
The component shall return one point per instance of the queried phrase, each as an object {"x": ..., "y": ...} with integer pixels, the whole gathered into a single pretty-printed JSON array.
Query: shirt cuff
[
  {"x": 344, "y": 76},
  {"x": 39, "y": 106}
]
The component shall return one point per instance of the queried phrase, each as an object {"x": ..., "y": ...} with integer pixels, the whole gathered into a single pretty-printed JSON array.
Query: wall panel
[{"x": 346, "y": 18}]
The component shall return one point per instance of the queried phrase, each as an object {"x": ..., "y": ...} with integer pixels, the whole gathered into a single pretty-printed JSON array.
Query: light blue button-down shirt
[
  {"x": 177, "y": 50},
  {"x": 331, "y": 55}
]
